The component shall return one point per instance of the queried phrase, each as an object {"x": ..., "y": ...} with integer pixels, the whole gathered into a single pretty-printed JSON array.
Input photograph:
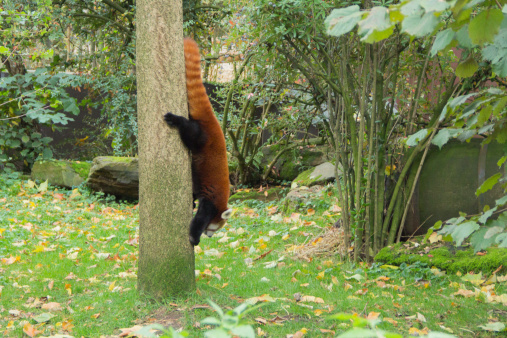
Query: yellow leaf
[
  {"x": 386, "y": 266},
  {"x": 38, "y": 248},
  {"x": 318, "y": 312},
  {"x": 321, "y": 275},
  {"x": 390, "y": 320},
  {"x": 111, "y": 286},
  {"x": 286, "y": 237},
  {"x": 75, "y": 193}
]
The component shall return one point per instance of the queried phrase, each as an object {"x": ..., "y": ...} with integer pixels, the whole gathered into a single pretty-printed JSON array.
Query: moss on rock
[
  {"x": 444, "y": 257},
  {"x": 61, "y": 173}
]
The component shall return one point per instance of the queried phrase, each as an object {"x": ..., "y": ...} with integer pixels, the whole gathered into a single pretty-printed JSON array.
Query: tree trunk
[{"x": 166, "y": 258}]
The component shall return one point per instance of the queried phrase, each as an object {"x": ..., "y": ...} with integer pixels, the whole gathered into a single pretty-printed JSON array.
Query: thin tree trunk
[{"x": 166, "y": 258}]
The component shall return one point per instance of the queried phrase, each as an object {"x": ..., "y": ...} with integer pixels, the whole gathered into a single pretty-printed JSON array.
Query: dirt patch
[{"x": 163, "y": 316}]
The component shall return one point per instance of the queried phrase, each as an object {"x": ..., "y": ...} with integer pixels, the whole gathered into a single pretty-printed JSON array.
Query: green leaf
[
  {"x": 484, "y": 115},
  {"x": 412, "y": 7},
  {"x": 478, "y": 242},
  {"x": 441, "y": 138},
  {"x": 342, "y": 316},
  {"x": 464, "y": 230},
  {"x": 435, "y": 5},
  {"x": 377, "y": 22},
  {"x": 501, "y": 201},
  {"x": 47, "y": 154},
  {"x": 460, "y": 100},
  {"x": 146, "y": 331},
  {"x": 342, "y": 20},
  {"x": 69, "y": 105},
  {"x": 486, "y": 215},
  {"x": 485, "y": 25},
  {"x": 493, "y": 231},
  {"x": 43, "y": 317},
  {"x": 467, "y": 68},
  {"x": 4, "y": 50},
  {"x": 495, "y": 327},
  {"x": 216, "y": 308},
  {"x": 245, "y": 331},
  {"x": 501, "y": 240},
  {"x": 217, "y": 333},
  {"x": 463, "y": 37},
  {"x": 377, "y": 36},
  {"x": 211, "y": 321},
  {"x": 488, "y": 184},
  {"x": 25, "y": 138},
  {"x": 420, "y": 26},
  {"x": 359, "y": 333},
  {"x": 414, "y": 139},
  {"x": 442, "y": 40}
]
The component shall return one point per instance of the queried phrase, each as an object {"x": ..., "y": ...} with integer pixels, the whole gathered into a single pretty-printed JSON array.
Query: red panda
[{"x": 202, "y": 135}]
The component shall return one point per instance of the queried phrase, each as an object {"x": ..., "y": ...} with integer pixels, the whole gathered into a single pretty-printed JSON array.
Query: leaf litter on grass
[{"x": 85, "y": 252}]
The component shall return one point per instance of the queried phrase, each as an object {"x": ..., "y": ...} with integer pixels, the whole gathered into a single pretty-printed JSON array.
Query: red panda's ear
[{"x": 226, "y": 214}]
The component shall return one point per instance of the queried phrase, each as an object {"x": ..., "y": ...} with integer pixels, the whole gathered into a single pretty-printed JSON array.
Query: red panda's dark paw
[
  {"x": 170, "y": 119},
  {"x": 193, "y": 241}
]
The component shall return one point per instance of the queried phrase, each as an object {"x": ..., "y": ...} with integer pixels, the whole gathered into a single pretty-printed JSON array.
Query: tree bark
[{"x": 166, "y": 258}]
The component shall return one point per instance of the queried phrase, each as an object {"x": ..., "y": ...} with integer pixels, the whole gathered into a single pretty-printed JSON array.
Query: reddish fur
[{"x": 210, "y": 164}]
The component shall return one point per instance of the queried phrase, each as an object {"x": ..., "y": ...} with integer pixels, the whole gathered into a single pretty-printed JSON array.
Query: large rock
[
  {"x": 294, "y": 161},
  {"x": 320, "y": 175},
  {"x": 117, "y": 176},
  {"x": 66, "y": 174}
]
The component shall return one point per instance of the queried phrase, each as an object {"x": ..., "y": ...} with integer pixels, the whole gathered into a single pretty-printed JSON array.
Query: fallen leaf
[
  {"x": 493, "y": 327},
  {"x": 52, "y": 306},
  {"x": 11, "y": 260},
  {"x": 30, "y": 330},
  {"x": 312, "y": 299}
]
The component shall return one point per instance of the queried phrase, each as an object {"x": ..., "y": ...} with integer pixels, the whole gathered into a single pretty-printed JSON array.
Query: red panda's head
[{"x": 217, "y": 225}]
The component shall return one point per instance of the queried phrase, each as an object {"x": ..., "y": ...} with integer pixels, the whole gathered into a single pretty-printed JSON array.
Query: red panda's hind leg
[
  {"x": 190, "y": 131},
  {"x": 205, "y": 214}
]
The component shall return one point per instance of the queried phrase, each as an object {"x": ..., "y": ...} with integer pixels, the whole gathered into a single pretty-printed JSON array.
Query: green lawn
[{"x": 69, "y": 262}]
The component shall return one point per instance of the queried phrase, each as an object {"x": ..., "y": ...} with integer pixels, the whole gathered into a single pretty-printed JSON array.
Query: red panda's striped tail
[{"x": 198, "y": 101}]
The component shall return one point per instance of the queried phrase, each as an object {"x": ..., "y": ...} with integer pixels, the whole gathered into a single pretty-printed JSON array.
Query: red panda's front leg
[
  {"x": 205, "y": 214},
  {"x": 190, "y": 131}
]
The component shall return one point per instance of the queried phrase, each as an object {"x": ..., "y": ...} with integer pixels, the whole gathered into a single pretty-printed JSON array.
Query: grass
[{"x": 73, "y": 254}]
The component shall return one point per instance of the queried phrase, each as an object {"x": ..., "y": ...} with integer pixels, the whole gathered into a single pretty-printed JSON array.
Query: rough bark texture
[{"x": 166, "y": 259}]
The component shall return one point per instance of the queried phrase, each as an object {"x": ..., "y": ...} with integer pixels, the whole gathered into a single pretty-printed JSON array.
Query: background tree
[{"x": 166, "y": 258}]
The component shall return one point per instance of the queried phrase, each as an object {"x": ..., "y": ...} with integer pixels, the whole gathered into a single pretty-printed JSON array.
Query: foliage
[
  {"x": 443, "y": 256},
  {"x": 470, "y": 26},
  {"x": 29, "y": 102}
]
